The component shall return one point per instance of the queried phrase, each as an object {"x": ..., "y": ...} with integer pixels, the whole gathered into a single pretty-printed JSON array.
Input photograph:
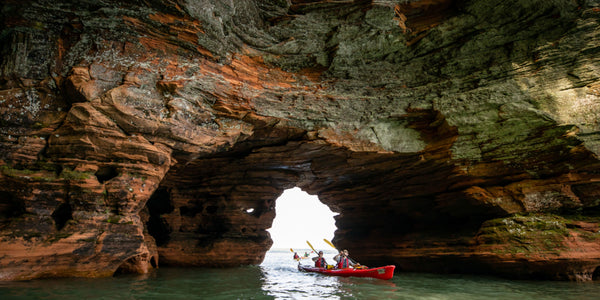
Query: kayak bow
[{"x": 385, "y": 272}]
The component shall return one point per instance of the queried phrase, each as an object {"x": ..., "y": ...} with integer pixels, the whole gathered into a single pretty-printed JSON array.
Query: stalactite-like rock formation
[{"x": 451, "y": 136}]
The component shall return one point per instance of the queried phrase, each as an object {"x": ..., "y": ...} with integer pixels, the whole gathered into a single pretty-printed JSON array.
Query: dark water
[{"x": 279, "y": 278}]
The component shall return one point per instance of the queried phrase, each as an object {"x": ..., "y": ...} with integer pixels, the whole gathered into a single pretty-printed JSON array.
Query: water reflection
[
  {"x": 283, "y": 280},
  {"x": 281, "y": 284},
  {"x": 279, "y": 278}
]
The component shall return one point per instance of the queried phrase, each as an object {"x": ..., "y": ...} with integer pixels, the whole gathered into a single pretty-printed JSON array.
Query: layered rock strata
[{"x": 450, "y": 136}]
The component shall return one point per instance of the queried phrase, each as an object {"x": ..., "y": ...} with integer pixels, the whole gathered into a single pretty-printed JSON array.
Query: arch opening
[{"x": 301, "y": 217}]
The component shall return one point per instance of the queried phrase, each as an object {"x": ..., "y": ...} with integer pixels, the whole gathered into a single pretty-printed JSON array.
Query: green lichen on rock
[
  {"x": 40, "y": 175},
  {"x": 525, "y": 234},
  {"x": 396, "y": 136},
  {"x": 534, "y": 234},
  {"x": 75, "y": 175}
]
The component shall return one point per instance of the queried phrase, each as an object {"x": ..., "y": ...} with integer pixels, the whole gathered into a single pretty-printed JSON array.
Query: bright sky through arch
[{"x": 301, "y": 217}]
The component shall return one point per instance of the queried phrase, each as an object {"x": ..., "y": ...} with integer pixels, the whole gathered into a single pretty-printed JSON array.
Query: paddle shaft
[
  {"x": 331, "y": 244},
  {"x": 311, "y": 247}
]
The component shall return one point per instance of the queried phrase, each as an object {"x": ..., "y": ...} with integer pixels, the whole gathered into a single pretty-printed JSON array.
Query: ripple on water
[{"x": 279, "y": 278}]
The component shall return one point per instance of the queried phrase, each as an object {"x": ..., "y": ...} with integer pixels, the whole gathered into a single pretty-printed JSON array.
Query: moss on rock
[{"x": 533, "y": 234}]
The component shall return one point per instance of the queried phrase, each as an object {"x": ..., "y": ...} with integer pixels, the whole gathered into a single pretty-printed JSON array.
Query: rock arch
[{"x": 380, "y": 196}]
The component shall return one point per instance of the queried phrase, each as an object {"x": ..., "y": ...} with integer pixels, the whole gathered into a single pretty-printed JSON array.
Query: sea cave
[{"x": 450, "y": 136}]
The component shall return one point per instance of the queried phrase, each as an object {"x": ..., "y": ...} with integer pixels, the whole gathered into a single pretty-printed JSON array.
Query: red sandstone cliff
[{"x": 451, "y": 136}]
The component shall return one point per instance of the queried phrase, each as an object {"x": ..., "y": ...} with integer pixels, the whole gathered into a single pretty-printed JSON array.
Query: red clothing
[
  {"x": 320, "y": 263},
  {"x": 343, "y": 263}
]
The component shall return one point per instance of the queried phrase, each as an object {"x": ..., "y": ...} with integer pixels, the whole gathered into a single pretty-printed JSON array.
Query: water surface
[{"x": 279, "y": 278}]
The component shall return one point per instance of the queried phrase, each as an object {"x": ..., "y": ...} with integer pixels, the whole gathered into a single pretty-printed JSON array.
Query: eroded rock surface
[{"x": 451, "y": 136}]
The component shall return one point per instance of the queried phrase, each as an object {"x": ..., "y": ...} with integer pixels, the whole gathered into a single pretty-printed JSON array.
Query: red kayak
[{"x": 386, "y": 272}]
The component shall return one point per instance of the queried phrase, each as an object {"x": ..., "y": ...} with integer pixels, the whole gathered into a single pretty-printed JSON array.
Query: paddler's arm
[{"x": 337, "y": 257}]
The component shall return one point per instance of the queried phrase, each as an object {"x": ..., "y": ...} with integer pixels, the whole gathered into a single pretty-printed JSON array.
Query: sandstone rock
[{"x": 450, "y": 136}]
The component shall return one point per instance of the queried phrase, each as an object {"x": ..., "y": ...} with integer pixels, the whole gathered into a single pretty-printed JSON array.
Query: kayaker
[
  {"x": 320, "y": 261},
  {"x": 296, "y": 256},
  {"x": 343, "y": 261}
]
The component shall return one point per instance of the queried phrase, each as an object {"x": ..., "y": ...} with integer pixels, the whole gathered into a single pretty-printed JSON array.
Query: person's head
[
  {"x": 320, "y": 253},
  {"x": 345, "y": 252}
]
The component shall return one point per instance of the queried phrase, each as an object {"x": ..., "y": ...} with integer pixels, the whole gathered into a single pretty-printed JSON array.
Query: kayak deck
[{"x": 385, "y": 272}]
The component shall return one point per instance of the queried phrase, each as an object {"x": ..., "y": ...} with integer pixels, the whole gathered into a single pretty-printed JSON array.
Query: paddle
[
  {"x": 359, "y": 266},
  {"x": 330, "y": 244},
  {"x": 311, "y": 247}
]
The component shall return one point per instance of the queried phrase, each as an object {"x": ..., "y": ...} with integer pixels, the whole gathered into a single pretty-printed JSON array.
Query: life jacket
[
  {"x": 320, "y": 263},
  {"x": 296, "y": 256},
  {"x": 343, "y": 263}
]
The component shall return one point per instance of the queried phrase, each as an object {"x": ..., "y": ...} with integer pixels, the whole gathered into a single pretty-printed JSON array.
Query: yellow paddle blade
[
  {"x": 329, "y": 243},
  {"x": 291, "y": 249},
  {"x": 311, "y": 247}
]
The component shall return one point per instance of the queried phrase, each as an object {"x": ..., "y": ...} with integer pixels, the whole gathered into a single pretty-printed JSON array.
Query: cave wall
[{"x": 451, "y": 136}]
